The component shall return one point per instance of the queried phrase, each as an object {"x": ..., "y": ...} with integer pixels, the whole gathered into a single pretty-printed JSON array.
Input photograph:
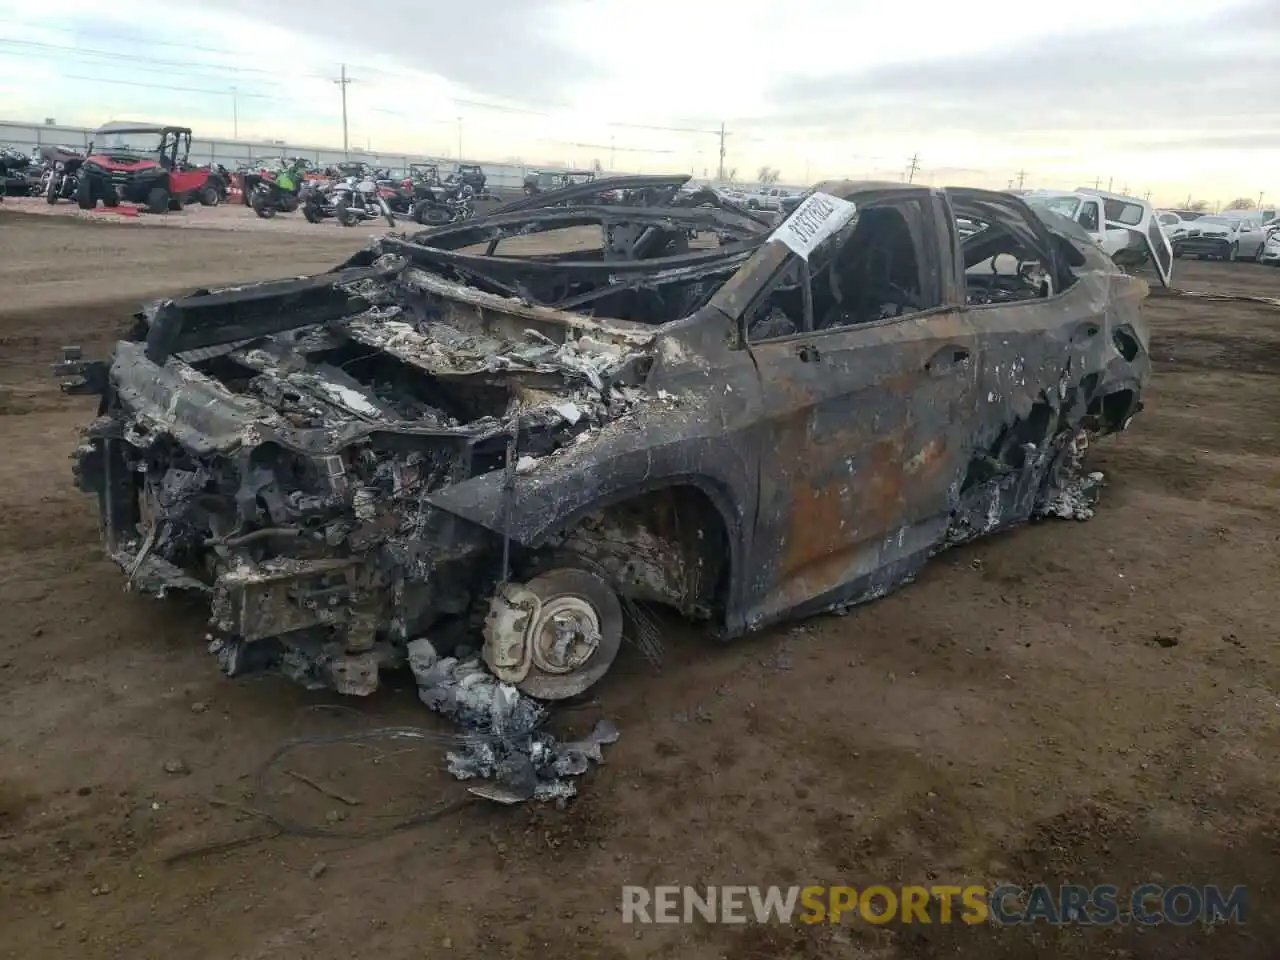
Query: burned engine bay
[
  {"x": 466, "y": 450},
  {"x": 272, "y": 444}
]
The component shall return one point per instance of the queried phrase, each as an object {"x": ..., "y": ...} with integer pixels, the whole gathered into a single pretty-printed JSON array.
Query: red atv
[{"x": 144, "y": 168}]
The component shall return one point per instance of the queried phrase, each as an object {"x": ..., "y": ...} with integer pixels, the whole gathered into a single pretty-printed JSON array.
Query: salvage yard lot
[{"x": 1071, "y": 702}]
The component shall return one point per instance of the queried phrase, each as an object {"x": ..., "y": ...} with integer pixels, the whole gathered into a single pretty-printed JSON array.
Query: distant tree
[
  {"x": 1199, "y": 206},
  {"x": 767, "y": 175},
  {"x": 731, "y": 175},
  {"x": 1242, "y": 203}
]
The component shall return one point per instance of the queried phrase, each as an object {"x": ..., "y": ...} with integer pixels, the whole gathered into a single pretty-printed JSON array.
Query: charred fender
[{"x": 556, "y": 504}]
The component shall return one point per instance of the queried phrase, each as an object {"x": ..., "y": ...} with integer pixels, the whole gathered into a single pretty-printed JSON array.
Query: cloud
[
  {"x": 1169, "y": 94},
  {"x": 503, "y": 48},
  {"x": 1214, "y": 71},
  {"x": 1247, "y": 139}
]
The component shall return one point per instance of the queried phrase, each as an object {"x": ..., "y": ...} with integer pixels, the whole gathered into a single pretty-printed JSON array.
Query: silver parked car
[
  {"x": 1270, "y": 252},
  {"x": 1221, "y": 238}
]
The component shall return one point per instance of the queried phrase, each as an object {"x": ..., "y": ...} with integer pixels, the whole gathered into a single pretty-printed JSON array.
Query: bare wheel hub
[
  {"x": 556, "y": 635},
  {"x": 566, "y": 635}
]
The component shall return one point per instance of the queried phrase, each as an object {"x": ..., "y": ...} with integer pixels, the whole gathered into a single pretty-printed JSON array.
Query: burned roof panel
[{"x": 647, "y": 257}]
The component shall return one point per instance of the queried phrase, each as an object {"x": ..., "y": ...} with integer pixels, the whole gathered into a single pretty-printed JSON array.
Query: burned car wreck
[{"x": 466, "y": 433}]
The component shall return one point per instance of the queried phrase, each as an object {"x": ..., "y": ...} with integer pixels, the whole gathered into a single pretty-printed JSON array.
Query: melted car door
[{"x": 864, "y": 439}]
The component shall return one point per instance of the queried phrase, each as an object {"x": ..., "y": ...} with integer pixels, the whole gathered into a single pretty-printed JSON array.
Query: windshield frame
[{"x": 1049, "y": 201}]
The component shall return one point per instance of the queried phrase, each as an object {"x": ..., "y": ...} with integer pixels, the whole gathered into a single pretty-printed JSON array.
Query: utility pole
[
  {"x": 611, "y": 153},
  {"x": 1022, "y": 178},
  {"x": 1097, "y": 182},
  {"x": 915, "y": 165},
  {"x": 1110, "y": 180},
  {"x": 342, "y": 82},
  {"x": 459, "y": 139},
  {"x": 720, "y": 171},
  {"x": 1147, "y": 196},
  {"x": 235, "y": 116},
  {"x": 1261, "y": 194}
]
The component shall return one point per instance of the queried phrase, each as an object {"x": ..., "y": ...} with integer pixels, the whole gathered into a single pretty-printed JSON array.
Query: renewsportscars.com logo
[{"x": 1146, "y": 904}]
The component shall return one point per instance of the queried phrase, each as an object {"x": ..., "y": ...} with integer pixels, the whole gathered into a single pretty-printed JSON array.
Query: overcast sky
[{"x": 1173, "y": 97}]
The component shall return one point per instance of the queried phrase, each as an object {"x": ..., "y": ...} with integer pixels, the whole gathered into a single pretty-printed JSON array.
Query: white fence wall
[{"x": 230, "y": 153}]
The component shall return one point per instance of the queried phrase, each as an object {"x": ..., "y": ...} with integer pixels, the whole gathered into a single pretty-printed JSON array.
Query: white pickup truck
[
  {"x": 1125, "y": 227},
  {"x": 759, "y": 198}
]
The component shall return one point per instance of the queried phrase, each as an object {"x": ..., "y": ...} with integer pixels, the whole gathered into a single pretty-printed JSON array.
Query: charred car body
[{"x": 444, "y": 436}]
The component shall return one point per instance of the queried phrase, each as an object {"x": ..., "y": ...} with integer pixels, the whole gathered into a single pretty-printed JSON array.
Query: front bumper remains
[{"x": 1202, "y": 246}]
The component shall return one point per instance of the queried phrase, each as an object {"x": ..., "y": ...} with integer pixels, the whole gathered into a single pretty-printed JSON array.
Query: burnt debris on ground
[{"x": 507, "y": 746}]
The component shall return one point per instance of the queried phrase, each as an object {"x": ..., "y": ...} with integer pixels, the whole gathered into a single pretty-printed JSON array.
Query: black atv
[{"x": 471, "y": 175}]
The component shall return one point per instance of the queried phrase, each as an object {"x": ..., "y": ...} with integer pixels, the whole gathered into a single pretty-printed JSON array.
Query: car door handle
[
  {"x": 808, "y": 353},
  {"x": 1084, "y": 332},
  {"x": 948, "y": 358}
]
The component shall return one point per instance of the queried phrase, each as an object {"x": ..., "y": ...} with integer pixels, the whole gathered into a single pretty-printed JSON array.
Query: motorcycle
[
  {"x": 314, "y": 200},
  {"x": 18, "y": 174},
  {"x": 350, "y": 201},
  {"x": 400, "y": 196},
  {"x": 443, "y": 205},
  {"x": 276, "y": 193},
  {"x": 61, "y": 178}
]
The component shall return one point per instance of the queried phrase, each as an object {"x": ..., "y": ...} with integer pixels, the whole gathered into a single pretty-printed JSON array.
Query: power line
[
  {"x": 195, "y": 70},
  {"x": 607, "y": 146},
  {"x": 83, "y": 52},
  {"x": 129, "y": 37},
  {"x": 187, "y": 65},
  {"x": 165, "y": 86},
  {"x": 211, "y": 75},
  {"x": 501, "y": 108},
  {"x": 651, "y": 126}
]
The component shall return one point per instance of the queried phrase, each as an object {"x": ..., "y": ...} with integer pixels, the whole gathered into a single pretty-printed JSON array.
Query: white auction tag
[{"x": 818, "y": 217}]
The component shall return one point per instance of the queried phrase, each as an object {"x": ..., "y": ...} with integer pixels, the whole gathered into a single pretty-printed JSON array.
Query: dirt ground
[
  {"x": 232, "y": 215},
  {"x": 1089, "y": 702}
]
